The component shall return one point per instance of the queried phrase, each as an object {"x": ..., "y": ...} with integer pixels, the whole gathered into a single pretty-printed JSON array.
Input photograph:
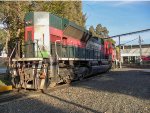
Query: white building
[{"x": 131, "y": 53}]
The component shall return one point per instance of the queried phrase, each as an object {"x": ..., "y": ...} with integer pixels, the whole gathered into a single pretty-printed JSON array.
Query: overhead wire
[
  {"x": 130, "y": 33},
  {"x": 129, "y": 41}
]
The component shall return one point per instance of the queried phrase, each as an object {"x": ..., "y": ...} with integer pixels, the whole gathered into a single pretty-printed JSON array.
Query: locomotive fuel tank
[{"x": 99, "y": 69}]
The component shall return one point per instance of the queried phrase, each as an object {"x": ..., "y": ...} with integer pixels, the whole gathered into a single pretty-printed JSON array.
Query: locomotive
[{"x": 56, "y": 50}]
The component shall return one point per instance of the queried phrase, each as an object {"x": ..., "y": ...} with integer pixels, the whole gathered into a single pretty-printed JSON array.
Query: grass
[
  {"x": 2, "y": 83},
  {"x": 4, "y": 80},
  {"x": 5, "y": 85}
]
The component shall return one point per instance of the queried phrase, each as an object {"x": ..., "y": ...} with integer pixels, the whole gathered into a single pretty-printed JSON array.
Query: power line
[
  {"x": 129, "y": 41},
  {"x": 130, "y": 33}
]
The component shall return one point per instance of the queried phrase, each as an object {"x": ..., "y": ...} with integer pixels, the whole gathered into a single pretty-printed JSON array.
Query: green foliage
[
  {"x": 71, "y": 10},
  {"x": 3, "y": 36},
  {"x": 117, "y": 49},
  {"x": 12, "y": 13},
  {"x": 92, "y": 30},
  {"x": 99, "y": 31},
  {"x": 112, "y": 41},
  {"x": 4, "y": 81},
  {"x": 14, "y": 16}
]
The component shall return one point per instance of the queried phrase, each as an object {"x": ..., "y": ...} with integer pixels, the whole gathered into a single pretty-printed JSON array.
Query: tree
[
  {"x": 71, "y": 10},
  {"x": 92, "y": 30},
  {"x": 99, "y": 31},
  {"x": 112, "y": 41},
  {"x": 105, "y": 32},
  {"x": 13, "y": 18},
  {"x": 3, "y": 35},
  {"x": 13, "y": 13}
]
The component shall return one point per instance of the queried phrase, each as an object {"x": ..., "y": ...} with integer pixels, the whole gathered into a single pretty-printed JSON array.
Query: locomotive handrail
[
  {"x": 57, "y": 53},
  {"x": 12, "y": 53},
  {"x": 45, "y": 47},
  {"x": 39, "y": 48},
  {"x": 56, "y": 48},
  {"x": 24, "y": 45}
]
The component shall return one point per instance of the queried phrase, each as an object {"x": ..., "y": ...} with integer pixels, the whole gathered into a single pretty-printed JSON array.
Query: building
[{"x": 131, "y": 53}]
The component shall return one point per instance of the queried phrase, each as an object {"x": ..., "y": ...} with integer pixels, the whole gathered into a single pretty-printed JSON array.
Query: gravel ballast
[{"x": 119, "y": 91}]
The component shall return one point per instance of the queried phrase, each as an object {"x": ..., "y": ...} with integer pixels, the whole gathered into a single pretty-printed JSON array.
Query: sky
[{"x": 120, "y": 17}]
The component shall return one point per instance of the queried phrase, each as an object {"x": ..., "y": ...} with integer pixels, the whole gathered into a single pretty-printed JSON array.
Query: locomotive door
[
  {"x": 64, "y": 47},
  {"x": 29, "y": 44}
]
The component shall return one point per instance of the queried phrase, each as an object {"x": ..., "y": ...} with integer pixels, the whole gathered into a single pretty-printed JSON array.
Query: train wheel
[
  {"x": 67, "y": 81},
  {"x": 81, "y": 77}
]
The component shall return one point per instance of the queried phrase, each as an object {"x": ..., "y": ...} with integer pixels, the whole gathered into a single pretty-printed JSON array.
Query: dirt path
[{"x": 119, "y": 91}]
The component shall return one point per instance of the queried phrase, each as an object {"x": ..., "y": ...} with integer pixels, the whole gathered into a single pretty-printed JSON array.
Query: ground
[{"x": 119, "y": 91}]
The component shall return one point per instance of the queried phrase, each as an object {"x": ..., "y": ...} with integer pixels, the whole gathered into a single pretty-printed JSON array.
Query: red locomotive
[{"x": 57, "y": 50}]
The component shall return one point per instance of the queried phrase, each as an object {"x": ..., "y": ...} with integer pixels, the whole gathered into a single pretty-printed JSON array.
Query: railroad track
[
  {"x": 13, "y": 95},
  {"x": 24, "y": 94},
  {"x": 9, "y": 97}
]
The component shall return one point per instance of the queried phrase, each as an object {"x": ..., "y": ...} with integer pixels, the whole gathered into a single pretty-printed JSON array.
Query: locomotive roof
[{"x": 30, "y": 15}]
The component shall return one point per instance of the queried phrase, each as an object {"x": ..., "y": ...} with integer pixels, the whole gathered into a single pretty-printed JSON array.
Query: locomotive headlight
[{"x": 28, "y": 22}]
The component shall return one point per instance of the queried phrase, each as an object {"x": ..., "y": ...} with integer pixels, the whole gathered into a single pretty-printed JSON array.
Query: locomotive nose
[{"x": 37, "y": 35}]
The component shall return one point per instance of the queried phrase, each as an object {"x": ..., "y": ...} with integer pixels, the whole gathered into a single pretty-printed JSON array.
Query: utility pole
[
  {"x": 119, "y": 54},
  {"x": 140, "y": 43}
]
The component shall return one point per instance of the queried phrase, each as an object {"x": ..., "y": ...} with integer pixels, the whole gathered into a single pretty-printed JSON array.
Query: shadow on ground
[
  {"x": 34, "y": 105},
  {"x": 73, "y": 103},
  {"x": 128, "y": 82},
  {"x": 30, "y": 106}
]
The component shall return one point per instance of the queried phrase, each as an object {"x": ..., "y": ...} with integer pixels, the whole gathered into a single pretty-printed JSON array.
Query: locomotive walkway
[{"x": 119, "y": 91}]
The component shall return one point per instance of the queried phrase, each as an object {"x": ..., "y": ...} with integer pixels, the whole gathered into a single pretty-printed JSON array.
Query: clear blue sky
[{"x": 120, "y": 17}]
